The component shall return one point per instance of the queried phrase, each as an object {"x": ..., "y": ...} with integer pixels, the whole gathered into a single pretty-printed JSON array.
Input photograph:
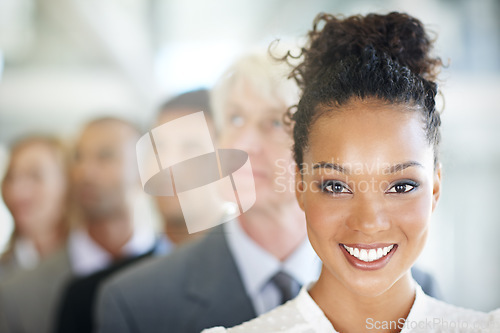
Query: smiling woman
[
  {"x": 366, "y": 138},
  {"x": 35, "y": 190}
]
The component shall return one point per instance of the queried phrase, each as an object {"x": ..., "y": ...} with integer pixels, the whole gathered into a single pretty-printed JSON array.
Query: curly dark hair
[{"x": 386, "y": 57}]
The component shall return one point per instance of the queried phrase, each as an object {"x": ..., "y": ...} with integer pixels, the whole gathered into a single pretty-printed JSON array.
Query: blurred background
[{"x": 67, "y": 61}]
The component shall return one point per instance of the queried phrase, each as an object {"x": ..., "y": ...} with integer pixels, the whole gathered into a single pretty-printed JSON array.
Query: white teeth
[
  {"x": 369, "y": 255},
  {"x": 372, "y": 255},
  {"x": 363, "y": 255}
]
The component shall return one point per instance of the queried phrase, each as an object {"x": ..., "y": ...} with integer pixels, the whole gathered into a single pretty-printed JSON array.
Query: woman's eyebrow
[
  {"x": 333, "y": 166},
  {"x": 401, "y": 166},
  {"x": 392, "y": 169}
]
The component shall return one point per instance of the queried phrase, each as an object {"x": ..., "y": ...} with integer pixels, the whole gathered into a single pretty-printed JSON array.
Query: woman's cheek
[
  {"x": 413, "y": 217},
  {"x": 323, "y": 218}
]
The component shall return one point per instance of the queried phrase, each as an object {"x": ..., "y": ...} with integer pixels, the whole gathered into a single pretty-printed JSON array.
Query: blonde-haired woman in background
[{"x": 35, "y": 190}]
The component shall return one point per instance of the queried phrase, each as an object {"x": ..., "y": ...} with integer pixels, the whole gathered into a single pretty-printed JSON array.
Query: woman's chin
[
  {"x": 369, "y": 288},
  {"x": 367, "y": 285}
]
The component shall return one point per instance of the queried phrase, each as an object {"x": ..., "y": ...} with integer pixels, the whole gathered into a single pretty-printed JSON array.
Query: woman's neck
[
  {"x": 351, "y": 312},
  {"x": 49, "y": 241}
]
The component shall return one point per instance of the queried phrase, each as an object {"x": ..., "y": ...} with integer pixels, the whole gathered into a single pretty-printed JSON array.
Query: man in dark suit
[
  {"x": 196, "y": 287},
  {"x": 76, "y": 311},
  {"x": 245, "y": 267}
]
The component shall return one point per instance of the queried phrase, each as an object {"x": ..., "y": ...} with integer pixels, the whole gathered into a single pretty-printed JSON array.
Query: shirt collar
[
  {"x": 257, "y": 266},
  {"x": 312, "y": 313},
  {"x": 303, "y": 264},
  {"x": 163, "y": 246},
  {"x": 420, "y": 310},
  {"x": 87, "y": 257},
  {"x": 142, "y": 241},
  {"x": 25, "y": 253}
]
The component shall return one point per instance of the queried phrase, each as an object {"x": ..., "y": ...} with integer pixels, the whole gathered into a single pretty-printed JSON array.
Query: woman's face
[
  {"x": 34, "y": 188},
  {"x": 369, "y": 187}
]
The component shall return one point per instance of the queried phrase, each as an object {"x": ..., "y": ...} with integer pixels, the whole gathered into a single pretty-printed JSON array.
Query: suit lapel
[{"x": 215, "y": 285}]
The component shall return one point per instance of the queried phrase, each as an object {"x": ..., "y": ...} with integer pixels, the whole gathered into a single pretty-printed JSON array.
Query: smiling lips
[
  {"x": 368, "y": 257},
  {"x": 370, "y": 254}
]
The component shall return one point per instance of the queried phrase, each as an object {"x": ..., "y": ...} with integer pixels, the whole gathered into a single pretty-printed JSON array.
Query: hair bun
[{"x": 395, "y": 35}]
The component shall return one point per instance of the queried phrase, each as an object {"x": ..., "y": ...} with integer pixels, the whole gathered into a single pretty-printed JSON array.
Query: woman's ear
[
  {"x": 299, "y": 187},
  {"x": 436, "y": 189}
]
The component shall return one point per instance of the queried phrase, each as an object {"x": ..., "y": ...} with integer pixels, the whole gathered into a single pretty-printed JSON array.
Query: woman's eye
[
  {"x": 335, "y": 188},
  {"x": 402, "y": 188}
]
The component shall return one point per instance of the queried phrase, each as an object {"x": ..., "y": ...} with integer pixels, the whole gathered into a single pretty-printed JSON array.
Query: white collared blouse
[{"x": 303, "y": 315}]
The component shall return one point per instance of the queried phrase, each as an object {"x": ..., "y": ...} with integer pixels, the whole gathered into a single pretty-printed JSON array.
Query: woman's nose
[{"x": 369, "y": 216}]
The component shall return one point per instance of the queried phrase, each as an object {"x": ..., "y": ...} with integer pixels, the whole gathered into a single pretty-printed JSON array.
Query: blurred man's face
[
  {"x": 254, "y": 124},
  {"x": 105, "y": 169},
  {"x": 187, "y": 139}
]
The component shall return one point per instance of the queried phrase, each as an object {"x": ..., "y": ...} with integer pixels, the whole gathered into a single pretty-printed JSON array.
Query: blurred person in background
[
  {"x": 77, "y": 306},
  {"x": 105, "y": 184},
  {"x": 168, "y": 206},
  {"x": 244, "y": 267},
  {"x": 35, "y": 190}
]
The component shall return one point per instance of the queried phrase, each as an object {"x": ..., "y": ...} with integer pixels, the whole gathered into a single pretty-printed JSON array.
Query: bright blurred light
[
  {"x": 6, "y": 226},
  {"x": 6, "y": 222},
  {"x": 182, "y": 66},
  {"x": 1, "y": 64}
]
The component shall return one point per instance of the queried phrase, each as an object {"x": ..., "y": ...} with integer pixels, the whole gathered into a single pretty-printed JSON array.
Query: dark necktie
[{"x": 287, "y": 286}]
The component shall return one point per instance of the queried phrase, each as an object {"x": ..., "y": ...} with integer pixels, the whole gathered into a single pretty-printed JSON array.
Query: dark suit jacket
[
  {"x": 196, "y": 287},
  {"x": 77, "y": 304}
]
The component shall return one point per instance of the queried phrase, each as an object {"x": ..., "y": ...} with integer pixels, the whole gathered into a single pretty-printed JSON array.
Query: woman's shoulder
[
  {"x": 298, "y": 315},
  {"x": 283, "y": 318},
  {"x": 440, "y": 315},
  {"x": 446, "y": 310}
]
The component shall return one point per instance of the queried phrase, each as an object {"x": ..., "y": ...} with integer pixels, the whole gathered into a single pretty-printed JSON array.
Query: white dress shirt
[
  {"x": 87, "y": 257},
  {"x": 303, "y": 315},
  {"x": 256, "y": 267}
]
